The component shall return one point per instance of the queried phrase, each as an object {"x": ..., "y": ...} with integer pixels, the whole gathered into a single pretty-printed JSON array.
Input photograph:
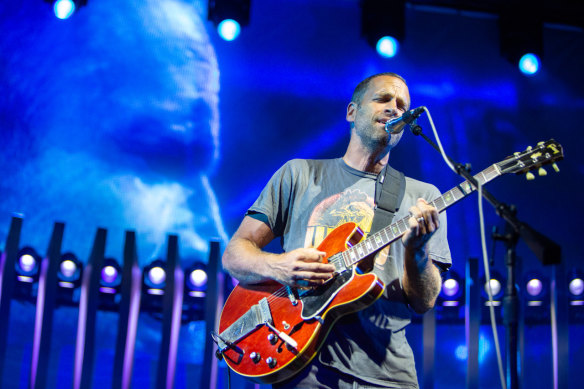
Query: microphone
[{"x": 395, "y": 126}]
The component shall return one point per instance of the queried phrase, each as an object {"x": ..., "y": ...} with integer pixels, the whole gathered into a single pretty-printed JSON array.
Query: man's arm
[
  {"x": 245, "y": 260},
  {"x": 421, "y": 281}
]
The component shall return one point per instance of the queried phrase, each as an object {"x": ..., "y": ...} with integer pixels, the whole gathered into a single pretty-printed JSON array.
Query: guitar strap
[{"x": 389, "y": 192}]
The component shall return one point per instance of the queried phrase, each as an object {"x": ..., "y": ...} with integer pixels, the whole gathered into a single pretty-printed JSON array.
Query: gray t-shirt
[{"x": 303, "y": 202}]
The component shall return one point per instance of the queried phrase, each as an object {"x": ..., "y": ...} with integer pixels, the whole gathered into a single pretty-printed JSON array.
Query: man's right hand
[{"x": 301, "y": 268}]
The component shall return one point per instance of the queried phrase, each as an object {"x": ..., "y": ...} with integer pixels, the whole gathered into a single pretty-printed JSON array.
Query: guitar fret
[
  {"x": 378, "y": 240},
  {"x": 352, "y": 255},
  {"x": 369, "y": 246},
  {"x": 346, "y": 260},
  {"x": 402, "y": 225},
  {"x": 386, "y": 231}
]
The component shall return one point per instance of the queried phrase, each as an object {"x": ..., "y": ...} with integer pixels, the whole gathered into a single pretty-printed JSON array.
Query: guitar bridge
[{"x": 259, "y": 314}]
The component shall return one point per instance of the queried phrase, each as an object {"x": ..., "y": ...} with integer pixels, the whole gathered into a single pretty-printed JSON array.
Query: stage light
[
  {"x": 496, "y": 285},
  {"x": 196, "y": 280},
  {"x": 154, "y": 277},
  {"x": 529, "y": 64},
  {"x": 383, "y": 25},
  {"x": 64, "y": 8},
  {"x": 228, "y": 29},
  {"x": 451, "y": 292},
  {"x": 576, "y": 287},
  {"x": 69, "y": 273},
  {"x": 387, "y": 46},
  {"x": 111, "y": 276},
  {"x": 229, "y": 16},
  {"x": 535, "y": 289},
  {"x": 27, "y": 265},
  {"x": 520, "y": 33},
  {"x": 461, "y": 353}
]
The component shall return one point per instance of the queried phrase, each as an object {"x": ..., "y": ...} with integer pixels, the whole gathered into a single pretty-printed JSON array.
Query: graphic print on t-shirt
[{"x": 351, "y": 205}]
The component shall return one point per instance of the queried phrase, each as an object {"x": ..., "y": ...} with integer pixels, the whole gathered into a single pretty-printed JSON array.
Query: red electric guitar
[{"x": 268, "y": 332}]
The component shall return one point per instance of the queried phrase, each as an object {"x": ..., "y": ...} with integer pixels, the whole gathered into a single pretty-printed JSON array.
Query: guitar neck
[{"x": 395, "y": 230}]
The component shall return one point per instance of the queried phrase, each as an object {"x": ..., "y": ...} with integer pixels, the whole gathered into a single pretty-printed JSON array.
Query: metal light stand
[{"x": 546, "y": 250}]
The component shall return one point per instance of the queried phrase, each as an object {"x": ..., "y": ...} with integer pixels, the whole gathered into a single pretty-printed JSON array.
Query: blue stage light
[
  {"x": 196, "y": 282},
  {"x": 64, "y": 8},
  {"x": 577, "y": 287},
  {"x": 529, "y": 64},
  {"x": 450, "y": 287},
  {"x": 461, "y": 353},
  {"x": 229, "y": 29},
  {"x": 451, "y": 294},
  {"x": 534, "y": 287},
  {"x": 154, "y": 277},
  {"x": 111, "y": 276},
  {"x": 157, "y": 275},
  {"x": 198, "y": 278},
  {"x": 70, "y": 271},
  {"x": 387, "y": 46},
  {"x": 27, "y": 265}
]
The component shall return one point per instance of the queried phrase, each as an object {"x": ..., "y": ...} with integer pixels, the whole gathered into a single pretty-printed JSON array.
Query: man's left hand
[{"x": 423, "y": 223}]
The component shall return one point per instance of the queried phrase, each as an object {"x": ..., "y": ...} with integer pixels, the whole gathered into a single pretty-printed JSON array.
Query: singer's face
[{"x": 386, "y": 98}]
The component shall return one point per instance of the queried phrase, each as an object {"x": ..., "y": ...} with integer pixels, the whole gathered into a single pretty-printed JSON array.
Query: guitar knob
[
  {"x": 255, "y": 357},
  {"x": 542, "y": 172},
  {"x": 529, "y": 176},
  {"x": 272, "y": 338},
  {"x": 271, "y": 362},
  {"x": 556, "y": 168}
]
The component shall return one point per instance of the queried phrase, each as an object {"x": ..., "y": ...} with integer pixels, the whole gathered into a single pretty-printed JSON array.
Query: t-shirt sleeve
[
  {"x": 438, "y": 249},
  {"x": 274, "y": 200}
]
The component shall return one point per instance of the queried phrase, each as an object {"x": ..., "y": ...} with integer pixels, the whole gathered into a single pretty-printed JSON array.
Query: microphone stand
[{"x": 546, "y": 250}]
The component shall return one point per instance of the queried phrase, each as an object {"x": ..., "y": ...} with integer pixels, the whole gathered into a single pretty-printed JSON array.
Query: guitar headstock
[{"x": 533, "y": 158}]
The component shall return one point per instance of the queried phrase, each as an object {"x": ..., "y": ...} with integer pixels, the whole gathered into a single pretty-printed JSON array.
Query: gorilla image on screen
[{"x": 109, "y": 119}]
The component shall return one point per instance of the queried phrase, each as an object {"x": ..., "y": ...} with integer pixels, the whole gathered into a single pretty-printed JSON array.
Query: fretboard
[{"x": 395, "y": 230}]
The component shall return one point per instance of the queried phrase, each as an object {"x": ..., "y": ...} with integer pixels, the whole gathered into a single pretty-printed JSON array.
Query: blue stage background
[{"x": 136, "y": 115}]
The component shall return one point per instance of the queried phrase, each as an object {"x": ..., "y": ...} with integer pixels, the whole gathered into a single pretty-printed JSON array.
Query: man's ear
[{"x": 351, "y": 112}]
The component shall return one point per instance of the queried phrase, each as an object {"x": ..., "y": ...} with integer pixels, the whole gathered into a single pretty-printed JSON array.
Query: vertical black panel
[
  {"x": 45, "y": 307},
  {"x": 472, "y": 321},
  {"x": 171, "y": 317},
  {"x": 7, "y": 277},
  {"x": 129, "y": 312},
  {"x": 213, "y": 304},
  {"x": 85, "y": 344},
  {"x": 429, "y": 321},
  {"x": 560, "y": 326}
]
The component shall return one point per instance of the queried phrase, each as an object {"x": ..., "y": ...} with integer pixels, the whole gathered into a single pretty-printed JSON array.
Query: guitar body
[{"x": 307, "y": 320}]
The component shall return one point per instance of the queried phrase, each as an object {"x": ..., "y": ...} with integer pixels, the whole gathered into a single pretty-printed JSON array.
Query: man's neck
[{"x": 359, "y": 157}]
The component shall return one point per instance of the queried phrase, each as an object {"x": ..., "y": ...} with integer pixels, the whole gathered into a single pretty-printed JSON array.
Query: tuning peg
[
  {"x": 556, "y": 168},
  {"x": 517, "y": 153},
  {"x": 529, "y": 176},
  {"x": 540, "y": 143},
  {"x": 541, "y": 171},
  {"x": 528, "y": 148}
]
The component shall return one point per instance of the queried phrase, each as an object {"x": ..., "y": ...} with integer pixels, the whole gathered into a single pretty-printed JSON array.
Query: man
[
  {"x": 111, "y": 121},
  {"x": 305, "y": 200}
]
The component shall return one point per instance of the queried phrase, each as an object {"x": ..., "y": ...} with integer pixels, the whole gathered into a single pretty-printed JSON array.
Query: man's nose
[{"x": 391, "y": 109}]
